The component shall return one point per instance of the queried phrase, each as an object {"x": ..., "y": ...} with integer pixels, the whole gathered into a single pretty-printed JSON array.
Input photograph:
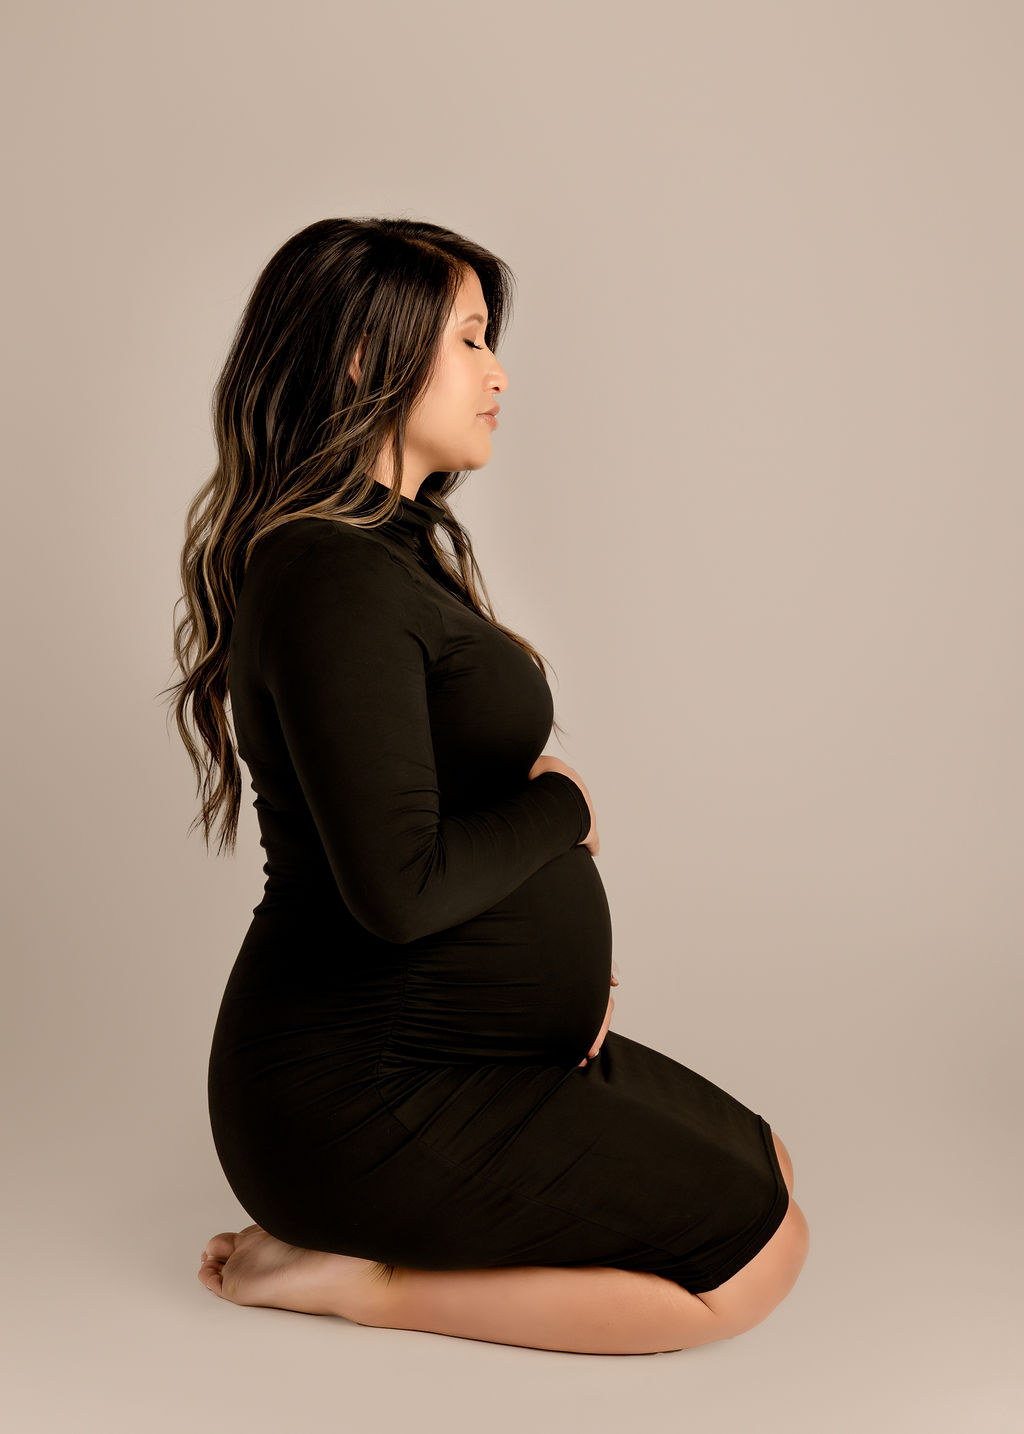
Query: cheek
[
  {"x": 449, "y": 401},
  {"x": 452, "y": 401}
]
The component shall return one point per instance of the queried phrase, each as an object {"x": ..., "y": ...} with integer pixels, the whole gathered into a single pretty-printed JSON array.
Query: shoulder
[
  {"x": 324, "y": 542},
  {"x": 320, "y": 552},
  {"x": 331, "y": 574}
]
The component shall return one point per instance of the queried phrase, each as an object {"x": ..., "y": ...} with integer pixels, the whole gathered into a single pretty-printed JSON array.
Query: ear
[{"x": 355, "y": 368}]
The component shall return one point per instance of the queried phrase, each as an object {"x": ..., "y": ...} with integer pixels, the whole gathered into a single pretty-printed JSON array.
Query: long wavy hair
[{"x": 297, "y": 437}]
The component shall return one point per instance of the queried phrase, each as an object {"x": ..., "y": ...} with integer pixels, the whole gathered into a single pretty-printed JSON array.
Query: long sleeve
[{"x": 344, "y": 653}]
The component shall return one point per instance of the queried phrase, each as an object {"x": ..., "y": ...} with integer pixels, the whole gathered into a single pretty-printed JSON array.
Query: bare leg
[
  {"x": 593, "y": 1309},
  {"x": 590, "y": 1309}
]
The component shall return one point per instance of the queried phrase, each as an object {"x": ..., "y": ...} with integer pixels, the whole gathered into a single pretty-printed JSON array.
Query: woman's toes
[
  {"x": 211, "y": 1265},
  {"x": 221, "y": 1246},
  {"x": 211, "y": 1274}
]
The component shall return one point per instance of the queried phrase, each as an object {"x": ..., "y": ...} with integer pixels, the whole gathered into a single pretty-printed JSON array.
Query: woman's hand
[
  {"x": 591, "y": 841},
  {"x": 607, "y": 1019}
]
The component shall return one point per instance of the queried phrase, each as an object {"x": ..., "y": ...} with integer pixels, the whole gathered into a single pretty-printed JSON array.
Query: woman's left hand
[{"x": 595, "y": 1048}]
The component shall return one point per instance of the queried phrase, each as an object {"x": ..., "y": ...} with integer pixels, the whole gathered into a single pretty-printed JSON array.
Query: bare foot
[{"x": 254, "y": 1268}]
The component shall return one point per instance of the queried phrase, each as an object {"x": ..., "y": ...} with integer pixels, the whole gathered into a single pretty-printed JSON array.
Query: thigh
[{"x": 671, "y": 1172}]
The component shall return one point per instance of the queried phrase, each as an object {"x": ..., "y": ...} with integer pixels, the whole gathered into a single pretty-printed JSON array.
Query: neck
[{"x": 404, "y": 492}]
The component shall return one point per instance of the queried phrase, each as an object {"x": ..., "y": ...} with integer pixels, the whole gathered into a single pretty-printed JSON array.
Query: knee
[
  {"x": 797, "y": 1247},
  {"x": 784, "y": 1161},
  {"x": 749, "y": 1296},
  {"x": 779, "y": 1265},
  {"x": 798, "y": 1236}
]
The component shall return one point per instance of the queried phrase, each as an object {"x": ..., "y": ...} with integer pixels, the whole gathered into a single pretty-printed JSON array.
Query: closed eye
[{"x": 472, "y": 344}]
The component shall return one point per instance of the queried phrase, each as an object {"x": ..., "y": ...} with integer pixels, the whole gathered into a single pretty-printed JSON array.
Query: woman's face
[{"x": 445, "y": 431}]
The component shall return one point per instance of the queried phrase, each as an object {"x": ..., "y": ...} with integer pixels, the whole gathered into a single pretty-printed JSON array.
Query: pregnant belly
[{"x": 527, "y": 980}]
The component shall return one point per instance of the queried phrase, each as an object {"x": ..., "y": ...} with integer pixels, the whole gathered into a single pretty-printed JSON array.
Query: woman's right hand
[
  {"x": 591, "y": 841},
  {"x": 599, "y": 1038}
]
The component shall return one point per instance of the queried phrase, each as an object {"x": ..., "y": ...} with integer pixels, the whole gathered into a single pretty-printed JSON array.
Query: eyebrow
[{"x": 481, "y": 318}]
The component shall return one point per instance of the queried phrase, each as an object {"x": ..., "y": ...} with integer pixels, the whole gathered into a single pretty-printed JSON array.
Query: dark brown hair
[{"x": 298, "y": 438}]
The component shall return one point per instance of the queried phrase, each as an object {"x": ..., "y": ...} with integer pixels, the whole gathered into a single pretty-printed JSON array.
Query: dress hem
[{"x": 767, "y": 1228}]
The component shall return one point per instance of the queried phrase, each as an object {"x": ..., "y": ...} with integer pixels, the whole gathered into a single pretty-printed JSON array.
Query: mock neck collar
[{"x": 410, "y": 515}]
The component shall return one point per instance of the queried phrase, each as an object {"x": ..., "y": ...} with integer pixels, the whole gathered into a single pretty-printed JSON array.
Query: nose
[{"x": 498, "y": 381}]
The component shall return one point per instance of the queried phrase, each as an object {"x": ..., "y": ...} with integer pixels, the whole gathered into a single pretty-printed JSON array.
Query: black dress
[{"x": 394, "y": 1070}]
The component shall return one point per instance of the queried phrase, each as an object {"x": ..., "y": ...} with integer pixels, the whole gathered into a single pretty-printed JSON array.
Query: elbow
[
  {"x": 391, "y": 908},
  {"x": 396, "y": 933},
  {"x": 393, "y": 923}
]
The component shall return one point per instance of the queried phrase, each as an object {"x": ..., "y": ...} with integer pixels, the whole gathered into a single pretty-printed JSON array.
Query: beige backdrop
[{"x": 756, "y": 493}]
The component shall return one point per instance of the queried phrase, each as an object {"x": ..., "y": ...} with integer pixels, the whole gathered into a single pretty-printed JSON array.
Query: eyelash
[{"x": 472, "y": 344}]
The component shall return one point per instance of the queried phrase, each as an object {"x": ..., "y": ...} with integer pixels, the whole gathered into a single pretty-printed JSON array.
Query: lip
[{"x": 489, "y": 418}]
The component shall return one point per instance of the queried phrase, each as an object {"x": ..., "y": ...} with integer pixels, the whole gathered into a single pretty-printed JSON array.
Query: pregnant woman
[{"x": 413, "y": 1088}]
